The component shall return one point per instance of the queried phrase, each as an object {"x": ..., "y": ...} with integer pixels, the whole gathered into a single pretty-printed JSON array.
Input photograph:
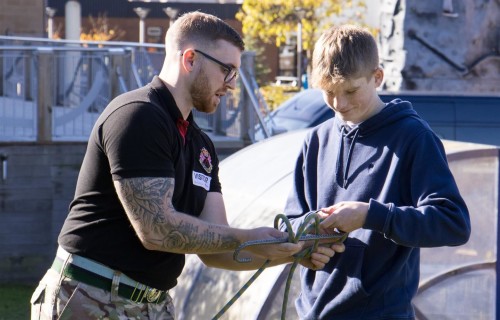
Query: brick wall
[{"x": 22, "y": 17}]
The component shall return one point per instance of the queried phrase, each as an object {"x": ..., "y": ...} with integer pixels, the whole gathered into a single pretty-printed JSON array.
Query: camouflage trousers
[{"x": 59, "y": 297}]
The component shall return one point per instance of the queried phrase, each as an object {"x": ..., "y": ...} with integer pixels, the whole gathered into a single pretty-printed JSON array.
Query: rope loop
[{"x": 308, "y": 230}]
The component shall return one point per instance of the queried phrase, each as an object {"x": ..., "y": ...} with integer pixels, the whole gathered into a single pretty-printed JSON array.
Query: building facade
[{"x": 15, "y": 19}]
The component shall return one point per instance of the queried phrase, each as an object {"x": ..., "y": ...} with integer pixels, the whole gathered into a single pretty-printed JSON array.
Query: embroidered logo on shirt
[
  {"x": 206, "y": 160},
  {"x": 201, "y": 180}
]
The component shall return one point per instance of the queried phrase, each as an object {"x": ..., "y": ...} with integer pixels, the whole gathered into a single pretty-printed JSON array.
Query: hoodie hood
[{"x": 392, "y": 112}]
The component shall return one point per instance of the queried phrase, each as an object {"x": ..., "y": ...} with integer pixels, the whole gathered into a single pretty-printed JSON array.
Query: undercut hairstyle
[
  {"x": 343, "y": 53},
  {"x": 201, "y": 28}
]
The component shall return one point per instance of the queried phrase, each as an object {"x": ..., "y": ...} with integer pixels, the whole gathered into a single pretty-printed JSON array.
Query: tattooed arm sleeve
[{"x": 148, "y": 204}]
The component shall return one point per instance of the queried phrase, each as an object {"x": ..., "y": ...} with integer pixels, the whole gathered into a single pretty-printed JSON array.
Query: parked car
[
  {"x": 305, "y": 109},
  {"x": 469, "y": 118}
]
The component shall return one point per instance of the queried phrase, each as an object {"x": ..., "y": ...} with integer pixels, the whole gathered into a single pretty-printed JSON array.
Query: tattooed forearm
[
  {"x": 148, "y": 202},
  {"x": 188, "y": 238}
]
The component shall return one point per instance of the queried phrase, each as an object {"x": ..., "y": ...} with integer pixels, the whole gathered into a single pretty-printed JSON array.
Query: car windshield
[{"x": 304, "y": 107}]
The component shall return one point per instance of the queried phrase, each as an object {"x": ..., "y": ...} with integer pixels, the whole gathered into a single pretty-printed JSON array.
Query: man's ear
[
  {"x": 188, "y": 57},
  {"x": 379, "y": 76}
]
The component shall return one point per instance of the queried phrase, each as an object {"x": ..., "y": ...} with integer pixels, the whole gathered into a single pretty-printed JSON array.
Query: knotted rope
[{"x": 305, "y": 227}]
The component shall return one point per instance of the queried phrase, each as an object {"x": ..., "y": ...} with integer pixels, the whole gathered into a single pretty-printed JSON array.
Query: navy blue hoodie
[{"x": 394, "y": 162}]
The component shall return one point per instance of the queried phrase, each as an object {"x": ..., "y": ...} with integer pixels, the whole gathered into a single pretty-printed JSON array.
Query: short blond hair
[{"x": 342, "y": 53}]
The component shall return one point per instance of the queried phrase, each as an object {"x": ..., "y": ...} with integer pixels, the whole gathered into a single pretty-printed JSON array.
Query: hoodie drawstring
[{"x": 344, "y": 133}]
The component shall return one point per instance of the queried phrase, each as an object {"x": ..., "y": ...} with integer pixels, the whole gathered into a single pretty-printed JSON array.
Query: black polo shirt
[{"x": 137, "y": 136}]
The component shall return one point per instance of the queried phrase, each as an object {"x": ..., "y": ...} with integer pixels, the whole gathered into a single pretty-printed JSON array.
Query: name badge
[{"x": 201, "y": 180}]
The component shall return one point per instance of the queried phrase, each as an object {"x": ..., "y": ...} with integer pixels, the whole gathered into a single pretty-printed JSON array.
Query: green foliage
[{"x": 272, "y": 21}]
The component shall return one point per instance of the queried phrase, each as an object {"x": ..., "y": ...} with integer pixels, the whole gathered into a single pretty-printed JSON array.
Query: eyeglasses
[{"x": 231, "y": 72}]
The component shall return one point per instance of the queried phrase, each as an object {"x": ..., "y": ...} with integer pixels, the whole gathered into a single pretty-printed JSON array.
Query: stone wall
[
  {"x": 445, "y": 45},
  {"x": 37, "y": 183}
]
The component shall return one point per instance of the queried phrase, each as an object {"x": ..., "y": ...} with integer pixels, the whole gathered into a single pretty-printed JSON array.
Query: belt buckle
[{"x": 153, "y": 294}]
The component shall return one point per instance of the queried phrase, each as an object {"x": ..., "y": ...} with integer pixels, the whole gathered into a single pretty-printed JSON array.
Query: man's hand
[{"x": 273, "y": 251}]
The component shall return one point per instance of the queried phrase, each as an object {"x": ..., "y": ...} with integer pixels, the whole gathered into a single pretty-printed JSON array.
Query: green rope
[{"x": 305, "y": 227}]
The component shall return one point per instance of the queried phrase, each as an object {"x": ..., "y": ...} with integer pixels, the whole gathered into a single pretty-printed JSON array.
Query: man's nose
[{"x": 231, "y": 84}]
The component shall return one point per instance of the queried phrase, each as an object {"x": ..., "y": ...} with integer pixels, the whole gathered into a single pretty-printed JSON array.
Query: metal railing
[{"x": 55, "y": 90}]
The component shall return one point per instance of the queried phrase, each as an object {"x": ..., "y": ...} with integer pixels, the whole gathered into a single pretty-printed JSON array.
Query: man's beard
[{"x": 201, "y": 94}]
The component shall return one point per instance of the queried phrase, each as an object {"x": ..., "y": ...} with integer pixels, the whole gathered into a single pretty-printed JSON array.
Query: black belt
[{"x": 139, "y": 293}]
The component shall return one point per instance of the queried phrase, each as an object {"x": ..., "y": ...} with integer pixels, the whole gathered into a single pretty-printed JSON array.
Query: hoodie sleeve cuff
[{"x": 377, "y": 216}]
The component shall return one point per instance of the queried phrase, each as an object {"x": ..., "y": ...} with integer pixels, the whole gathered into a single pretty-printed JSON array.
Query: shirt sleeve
[{"x": 138, "y": 142}]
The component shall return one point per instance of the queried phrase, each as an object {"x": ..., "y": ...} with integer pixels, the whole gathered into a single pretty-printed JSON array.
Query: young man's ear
[
  {"x": 188, "y": 59},
  {"x": 379, "y": 76}
]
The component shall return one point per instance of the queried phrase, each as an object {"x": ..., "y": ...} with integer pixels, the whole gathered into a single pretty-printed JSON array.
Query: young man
[
  {"x": 148, "y": 191},
  {"x": 378, "y": 172}
]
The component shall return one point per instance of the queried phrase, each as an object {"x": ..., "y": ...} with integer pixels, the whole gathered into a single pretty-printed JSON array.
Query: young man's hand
[{"x": 344, "y": 216}]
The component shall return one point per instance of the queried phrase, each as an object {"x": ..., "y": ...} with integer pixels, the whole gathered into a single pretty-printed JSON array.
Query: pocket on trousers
[
  {"x": 77, "y": 306},
  {"x": 38, "y": 295},
  {"x": 41, "y": 291},
  {"x": 41, "y": 309},
  {"x": 165, "y": 310},
  {"x": 37, "y": 302}
]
